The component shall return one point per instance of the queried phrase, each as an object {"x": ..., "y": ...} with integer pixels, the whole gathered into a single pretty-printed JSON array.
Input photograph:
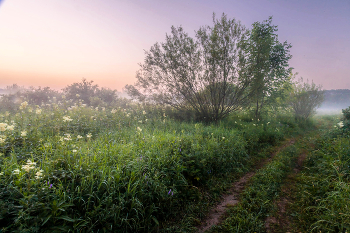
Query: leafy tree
[
  {"x": 205, "y": 74},
  {"x": 90, "y": 93},
  {"x": 268, "y": 64},
  {"x": 83, "y": 90},
  {"x": 305, "y": 98}
]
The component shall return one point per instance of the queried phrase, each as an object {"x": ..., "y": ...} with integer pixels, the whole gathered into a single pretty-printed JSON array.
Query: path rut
[{"x": 232, "y": 198}]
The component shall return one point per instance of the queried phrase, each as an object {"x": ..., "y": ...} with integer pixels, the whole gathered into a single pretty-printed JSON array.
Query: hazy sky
[{"x": 55, "y": 43}]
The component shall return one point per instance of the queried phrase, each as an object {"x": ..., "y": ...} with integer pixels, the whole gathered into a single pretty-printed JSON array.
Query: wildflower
[
  {"x": 30, "y": 110},
  {"x": 29, "y": 162},
  {"x": 140, "y": 121},
  {"x": 146, "y": 120},
  {"x": 74, "y": 151},
  {"x": 144, "y": 112},
  {"x": 223, "y": 138},
  {"x": 77, "y": 95},
  {"x": 268, "y": 122},
  {"x": 67, "y": 118},
  {"x": 139, "y": 129},
  {"x": 10, "y": 127},
  {"x": 15, "y": 172},
  {"x": 89, "y": 135},
  {"x": 340, "y": 124},
  {"x": 113, "y": 111},
  {"x": 50, "y": 186},
  {"x": 170, "y": 192},
  {"x": 1, "y": 173},
  {"x": 38, "y": 111},
  {"x": 23, "y": 133},
  {"x": 39, "y": 174},
  {"x": 68, "y": 137},
  {"x": 2, "y": 139},
  {"x": 79, "y": 137},
  {"x": 3, "y": 126},
  {"x": 23, "y": 105}
]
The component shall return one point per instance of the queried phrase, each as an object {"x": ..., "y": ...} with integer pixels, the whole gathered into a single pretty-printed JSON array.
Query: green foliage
[
  {"x": 256, "y": 201},
  {"x": 267, "y": 64},
  {"x": 322, "y": 197},
  {"x": 204, "y": 74},
  {"x": 305, "y": 98},
  {"x": 129, "y": 169},
  {"x": 346, "y": 119},
  {"x": 90, "y": 94}
]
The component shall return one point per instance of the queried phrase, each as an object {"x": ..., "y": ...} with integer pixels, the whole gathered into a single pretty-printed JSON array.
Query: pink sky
[{"x": 55, "y": 43}]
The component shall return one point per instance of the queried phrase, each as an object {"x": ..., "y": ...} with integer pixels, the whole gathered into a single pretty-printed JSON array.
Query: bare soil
[{"x": 232, "y": 198}]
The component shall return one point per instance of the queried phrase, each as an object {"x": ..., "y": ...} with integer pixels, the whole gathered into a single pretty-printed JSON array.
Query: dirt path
[
  {"x": 281, "y": 222},
  {"x": 232, "y": 198}
]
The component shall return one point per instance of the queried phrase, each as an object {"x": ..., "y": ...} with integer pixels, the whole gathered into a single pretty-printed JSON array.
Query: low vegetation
[
  {"x": 322, "y": 196},
  {"x": 69, "y": 167},
  {"x": 209, "y": 110}
]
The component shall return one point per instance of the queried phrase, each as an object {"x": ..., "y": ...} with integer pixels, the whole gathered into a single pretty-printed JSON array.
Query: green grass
[
  {"x": 138, "y": 172},
  {"x": 322, "y": 197},
  {"x": 256, "y": 201}
]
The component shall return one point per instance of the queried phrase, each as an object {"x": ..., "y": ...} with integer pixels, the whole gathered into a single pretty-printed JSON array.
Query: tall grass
[
  {"x": 74, "y": 168},
  {"x": 323, "y": 193}
]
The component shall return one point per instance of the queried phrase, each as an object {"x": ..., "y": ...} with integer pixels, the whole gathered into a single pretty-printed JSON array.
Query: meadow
[{"x": 69, "y": 167}]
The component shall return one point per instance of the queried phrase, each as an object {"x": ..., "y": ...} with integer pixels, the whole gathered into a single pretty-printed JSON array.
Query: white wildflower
[
  {"x": 341, "y": 124},
  {"x": 139, "y": 129},
  {"x": 2, "y": 139},
  {"x": 23, "y": 105},
  {"x": 67, "y": 118},
  {"x": 16, "y": 171},
  {"x": 39, "y": 174},
  {"x": 38, "y": 111},
  {"x": 89, "y": 135},
  {"x": 10, "y": 127},
  {"x": 23, "y": 133},
  {"x": 3, "y": 126},
  {"x": 68, "y": 137},
  {"x": 79, "y": 137}
]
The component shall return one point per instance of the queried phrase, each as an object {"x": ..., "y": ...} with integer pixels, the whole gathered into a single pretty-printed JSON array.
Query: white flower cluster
[
  {"x": 67, "y": 118},
  {"x": 23, "y": 105},
  {"x": 5, "y": 126},
  {"x": 30, "y": 165}
]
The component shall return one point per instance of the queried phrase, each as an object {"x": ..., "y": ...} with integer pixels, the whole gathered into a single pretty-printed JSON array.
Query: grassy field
[{"x": 72, "y": 168}]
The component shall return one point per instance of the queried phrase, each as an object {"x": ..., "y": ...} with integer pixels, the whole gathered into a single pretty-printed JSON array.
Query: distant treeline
[{"x": 339, "y": 98}]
